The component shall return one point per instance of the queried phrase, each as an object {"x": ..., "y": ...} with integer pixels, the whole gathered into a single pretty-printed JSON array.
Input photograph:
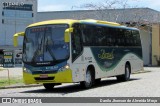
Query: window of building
[
  {"x": 2, "y": 13},
  {"x": 2, "y": 21},
  {"x": 17, "y": 14}
]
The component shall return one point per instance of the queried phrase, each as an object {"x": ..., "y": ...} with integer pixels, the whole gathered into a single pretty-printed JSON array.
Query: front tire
[
  {"x": 89, "y": 80},
  {"x": 49, "y": 86},
  {"x": 126, "y": 76}
]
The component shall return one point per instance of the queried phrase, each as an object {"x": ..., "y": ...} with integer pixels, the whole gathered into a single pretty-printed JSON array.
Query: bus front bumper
[{"x": 60, "y": 77}]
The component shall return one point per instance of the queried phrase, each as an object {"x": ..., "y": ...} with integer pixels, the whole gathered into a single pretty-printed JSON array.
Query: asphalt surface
[{"x": 140, "y": 85}]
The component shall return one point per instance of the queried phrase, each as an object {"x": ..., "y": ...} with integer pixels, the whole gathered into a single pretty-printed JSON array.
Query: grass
[{"x": 13, "y": 81}]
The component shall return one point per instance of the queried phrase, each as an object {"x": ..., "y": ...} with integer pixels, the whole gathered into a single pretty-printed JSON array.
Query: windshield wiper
[
  {"x": 49, "y": 50},
  {"x": 38, "y": 49}
]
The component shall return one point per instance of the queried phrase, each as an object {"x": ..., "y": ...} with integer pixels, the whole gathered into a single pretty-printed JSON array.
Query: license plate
[{"x": 44, "y": 76}]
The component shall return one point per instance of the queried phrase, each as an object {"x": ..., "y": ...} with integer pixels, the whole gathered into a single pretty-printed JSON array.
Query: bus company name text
[{"x": 106, "y": 55}]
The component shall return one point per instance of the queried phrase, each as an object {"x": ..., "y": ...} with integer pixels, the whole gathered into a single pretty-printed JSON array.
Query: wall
[
  {"x": 145, "y": 46},
  {"x": 155, "y": 43},
  {"x": 115, "y": 15}
]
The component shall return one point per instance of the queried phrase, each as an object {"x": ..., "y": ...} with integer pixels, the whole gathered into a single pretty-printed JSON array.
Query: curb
[{"x": 21, "y": 86}]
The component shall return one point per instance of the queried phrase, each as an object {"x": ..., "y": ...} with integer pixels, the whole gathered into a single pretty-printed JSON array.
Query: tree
[
  {"x": 104, "y": 8},
  {"x": 118, "y": 11}
]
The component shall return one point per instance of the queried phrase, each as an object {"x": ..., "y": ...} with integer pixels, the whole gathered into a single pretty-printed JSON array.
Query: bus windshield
[{"x": 45, "y": 44}]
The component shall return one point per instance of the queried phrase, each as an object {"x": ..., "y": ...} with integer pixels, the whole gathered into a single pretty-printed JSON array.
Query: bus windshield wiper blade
[
  {"x": 38, "y": 49},
  {"x": 49, "y": 50}
]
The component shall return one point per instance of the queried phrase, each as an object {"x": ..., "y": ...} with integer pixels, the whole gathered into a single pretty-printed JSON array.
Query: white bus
[{"x": 79, "y": 51}]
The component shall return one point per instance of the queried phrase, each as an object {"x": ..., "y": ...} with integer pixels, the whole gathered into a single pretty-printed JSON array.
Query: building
[
  {"x": 156, "y": 44},
  {"x": 15, "y": 16}
]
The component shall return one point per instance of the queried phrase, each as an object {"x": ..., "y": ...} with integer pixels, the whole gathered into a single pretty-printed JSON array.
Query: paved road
[{"x": 141, "y": 85}]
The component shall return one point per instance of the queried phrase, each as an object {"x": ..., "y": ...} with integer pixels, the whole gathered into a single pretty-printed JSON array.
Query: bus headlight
[
  {"x": 66, "y": 67},
  {"x": 26, "y": 70}
]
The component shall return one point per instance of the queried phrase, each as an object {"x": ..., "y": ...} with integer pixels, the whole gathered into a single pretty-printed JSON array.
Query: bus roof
[
  {"x": 58, "y": 21},
  {"x": 89, "y": 21},
  {"x": 100, "y": 22},
  {"x": 106, "y": 23}
]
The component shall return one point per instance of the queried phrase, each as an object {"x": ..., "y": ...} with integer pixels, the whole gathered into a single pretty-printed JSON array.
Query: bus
[{"x": 79, "y": 51}]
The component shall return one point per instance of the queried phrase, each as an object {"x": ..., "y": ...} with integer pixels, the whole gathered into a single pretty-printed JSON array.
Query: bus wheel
[
  {"x": 49, "y": 86},
  {"x": 89, "y": 80},
  {"x": 126, "y": 76},
  {"x": 127, "y": 73}
]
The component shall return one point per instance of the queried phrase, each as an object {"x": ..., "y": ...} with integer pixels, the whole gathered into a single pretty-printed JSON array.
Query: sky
[{"x": 68, "y": 5}]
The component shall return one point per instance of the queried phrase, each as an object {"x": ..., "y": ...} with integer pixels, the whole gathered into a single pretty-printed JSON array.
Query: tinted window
[
  {"x": 120, "y": 37},
  {"x": 136, "y": 38},
  {"x": 128, "y": 38},
  {"x": 93, "y": 35}
]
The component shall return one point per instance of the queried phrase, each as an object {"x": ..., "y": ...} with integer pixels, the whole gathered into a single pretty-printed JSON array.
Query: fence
[{"x": 10, "y": 76}]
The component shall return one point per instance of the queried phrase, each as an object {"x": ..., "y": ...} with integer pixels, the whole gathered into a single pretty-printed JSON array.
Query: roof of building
[{"x": 114, "y": 15}]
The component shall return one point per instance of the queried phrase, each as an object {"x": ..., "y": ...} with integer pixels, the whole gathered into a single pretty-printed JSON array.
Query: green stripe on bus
[{"x": 108, "y": 58}]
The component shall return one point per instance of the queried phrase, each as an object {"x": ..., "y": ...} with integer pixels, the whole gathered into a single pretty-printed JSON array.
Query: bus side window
[
  {"x": 136, "y": 37},
  {"x": 112, "y": 38},
  {"x": 117, "y": 37},
  {"x": 85, "y": 34},
  {"x": 128, "y": 38},
  {"x": 105, "y": 34},
  {"x": 121, "y": 37},
  {"x": 88, "y": 34},
  {"x": 101, "y": 36}
]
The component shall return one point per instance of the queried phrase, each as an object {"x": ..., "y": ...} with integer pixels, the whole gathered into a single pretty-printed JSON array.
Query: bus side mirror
[
  {"x": 66, "y": 34},
  {"x": 15, "y": 38}
]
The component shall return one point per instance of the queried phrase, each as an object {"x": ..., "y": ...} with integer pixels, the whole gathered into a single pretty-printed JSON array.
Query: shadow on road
[{"x": 76, "y": 87}]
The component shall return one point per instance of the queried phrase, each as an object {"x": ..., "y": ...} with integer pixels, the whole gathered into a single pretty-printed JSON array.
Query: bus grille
[
  {"x": 49, "y": 78},
  {"x": 44, "y": 72}
]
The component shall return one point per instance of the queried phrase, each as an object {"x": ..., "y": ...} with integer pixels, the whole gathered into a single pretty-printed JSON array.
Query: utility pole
[{"x": 15, "y": 19}]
